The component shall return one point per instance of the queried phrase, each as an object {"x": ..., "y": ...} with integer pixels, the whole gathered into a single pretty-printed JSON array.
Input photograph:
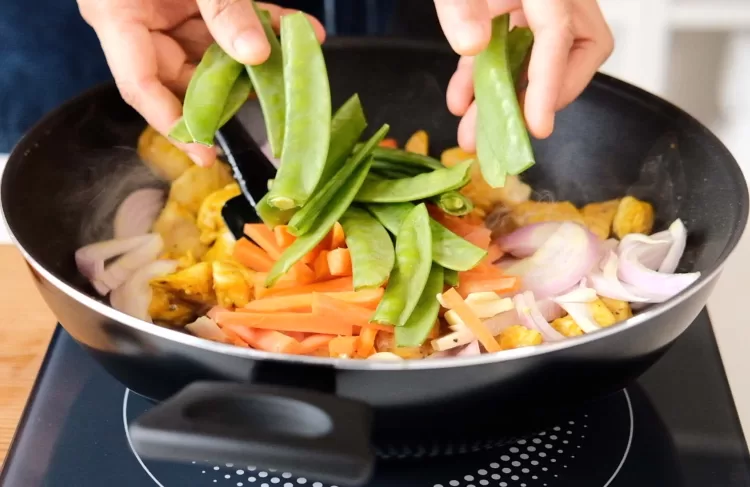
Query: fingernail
[{"x": 249, "y": 49}]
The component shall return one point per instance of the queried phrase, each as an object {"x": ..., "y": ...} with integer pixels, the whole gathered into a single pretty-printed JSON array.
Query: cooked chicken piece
[
  {"x": 418, "y": 143},
  {"x": 567, "y": 326},
  {"x": 233, "y": 283},
  {"x": 620, "y": 309},
  {"x": 633, "y": 216},
  {"x": 209, "y": 220},
  {"x": 194, "y": 284},
  {"x": 161, "y": 156},
  {"x": 195, "y": 184},
  {"x": 601, "y": 314},
  {"x": 599, "y": 216},
  {"x": 178, "y": 229},
  {"x": 542, "y": 211},
  {"x": 222, "y": 249},
  {"x": 169, "y": 310},
  {"x": 482, "y": 194},
  {"x": 518, "y": 336}
]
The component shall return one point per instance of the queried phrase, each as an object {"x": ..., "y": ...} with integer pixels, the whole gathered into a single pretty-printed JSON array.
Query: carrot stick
[
  {"x": 452, "y": 223},
  {"x": 378, "y": 327},
  {"x": 366, "y": 342},
  {"x": 314, "y": 342},
  {"x": 453, "y": 301},
  {"x": 338, "y": 238},
  {"x": 287, "y": 321},
  {"x": 389, "y": 142},
  {"x": 366, "y": 298},
  {"x": 267, "y": 340},
  {"x": 322, "y": 271},
  {"x": 340, "y": 262},
  {"x": 327, "y": 308},
  {"x": 216, "y": 309},
  {"x": 301, "y": 274},
  {"x": 297, "y": 335},
  {"x": 480, "y": 237},
  {"x": 283, "y": 238},
  {"x": 252, "y": 256},
  {"x": 494, "y": 253},
  {"x": 284, "y": 289},
  {"x": 343, "y": 347},
  {"x": 499, "y": 285},
  {"x": 264, "y": 237},
  {"x": 324, "y": 244}
]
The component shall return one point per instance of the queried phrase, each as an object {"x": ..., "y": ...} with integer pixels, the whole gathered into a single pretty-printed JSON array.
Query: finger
[
  {"x": 194, "y": 38},
  {"x": 236, "y": 28},
  {"x": 584, "y": 60},
  {"x": 553, "y": 38},
  {"x": 466, "y": 24},
  {"x": 467, "y": 130},
  {"x": 461, "y": 87},
  {"x": 133, "y": 61},
  {"x": 277, "y": 12}
]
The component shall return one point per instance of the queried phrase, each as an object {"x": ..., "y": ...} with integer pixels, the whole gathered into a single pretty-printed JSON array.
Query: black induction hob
[{"x": 676, "y": 427}]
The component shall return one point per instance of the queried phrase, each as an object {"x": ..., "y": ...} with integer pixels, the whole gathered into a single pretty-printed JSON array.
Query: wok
[{"x": 326, "y": 418}]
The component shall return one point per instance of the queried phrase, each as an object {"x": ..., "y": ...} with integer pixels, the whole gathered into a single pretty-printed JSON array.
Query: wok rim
[{"x": 601, "y": 81}]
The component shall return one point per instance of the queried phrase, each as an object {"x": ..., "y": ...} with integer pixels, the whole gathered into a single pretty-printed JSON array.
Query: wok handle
[{"x": 305, "y": 432}]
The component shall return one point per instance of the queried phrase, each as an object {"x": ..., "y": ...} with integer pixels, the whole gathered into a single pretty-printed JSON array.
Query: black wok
[{"x": 317, "y": 416}]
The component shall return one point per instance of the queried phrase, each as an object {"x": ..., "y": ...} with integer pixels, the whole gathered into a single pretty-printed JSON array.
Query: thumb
[{"x": 236, "y": 28}]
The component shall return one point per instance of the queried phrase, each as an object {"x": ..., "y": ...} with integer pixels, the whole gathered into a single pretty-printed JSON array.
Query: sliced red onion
[
  {"x": 121, "y": 269},
  {"x": 576, "y": 303},
  {"x": 91, "y": 258},
  {"x": 651, "y": 251},
  {"x": 216, "y": 310},
  {"x": 527, "y": 239},
  {"x": 531, "y": 317},
  {"x": 560, "y": 263},
  {"x": 499, "y": 323},
  {"x": 658, "y": 286},
  {"x": 607, "y": 284},
  {"x": 550, "y": 309},
  {"x": 207, "y": 328},
  {"x": 138, "y": 212},
  {"x": 470, "y": 350},
  {"x": 679, "y": 240},
  {"x": 134, "y": 296}
]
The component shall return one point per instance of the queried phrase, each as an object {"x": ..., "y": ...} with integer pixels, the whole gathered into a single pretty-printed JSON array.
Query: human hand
[
  {"x": 153, "y": 46},
  {"x": 571, "y": 41}
]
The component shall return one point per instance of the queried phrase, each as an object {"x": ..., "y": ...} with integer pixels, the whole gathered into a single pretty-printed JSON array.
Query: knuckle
[
  {"x": 217, "y": 8},
  {"x": 132, "y": 91}
]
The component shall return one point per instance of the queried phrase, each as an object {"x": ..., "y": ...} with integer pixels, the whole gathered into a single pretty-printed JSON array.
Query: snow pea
[
  {"x": 450, "y": 277},
  {"x": 370, "y": 247},
  {"x": 520, "y": 40},
  {"x": 405, "y": 158},
  {"x": 304, "y": 219},
  {"x": 425, "y": 314},
  {"x": 448, "y": 249},
  {"x": 418, "y": 187},
  {"x": 271, "y": 216},
  {"x": 268, "y": 80},
  {"x": 503, "y": 144},
  {"x": 347, "y": 126},
  {"x": 307, "y": 129},
  {"x": 411, "y": 270},
  {"x": 208, "y": 92},
  {"x": 453, "y": 203},
  {"x": 238, "y": 95},
  {"x": 323, "y": 224},
  {"x": 392, "y": 170}
]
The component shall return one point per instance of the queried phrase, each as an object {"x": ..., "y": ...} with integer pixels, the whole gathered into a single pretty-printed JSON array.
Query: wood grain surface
[{"x": 25, "y": 330}]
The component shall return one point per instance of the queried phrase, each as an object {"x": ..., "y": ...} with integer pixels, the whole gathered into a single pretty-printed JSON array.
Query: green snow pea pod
[
  {"x": 347, "y": 126},
  {"x": 453, "y": 203},
  {"x": 409, "y": 276},
  {"x": 448, "y": 249},
  {"x": 208, "y": 92},
  {"x": 304, "y": 219},
  {"x": 238, "y": 95},
  {"x": 422, "y": 319},
  {"x": 271, "y": 216},
  {"x": 503, "y": 144},
  {"x": 406, "y": 158},
  {"x": 415, "y": 188},
  {"x": 323, "y": 224},
  {"x": 268, "y": 81},
  {"x": 450, "y": 277},
  {"x": 392, "y": 170},
  {"x": 370, "y": 247},
  {"x": 307, "y": 130},
  {"x": 520, "y": 40}
]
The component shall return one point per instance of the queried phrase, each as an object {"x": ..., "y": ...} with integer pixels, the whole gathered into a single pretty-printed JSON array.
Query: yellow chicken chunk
[
  {"x": 518, "y": 336},
  {"x": 209, "y": 220},
  {"x": 222, "y": 249},
  {"x": 232, "y": 284},
  {"x": 601, "y": 314},
  {"x": 567, "y": 326},
  {"x": 418, "y": 143},
  {"x": 195, "y": 184},
  {"x": 620, "y": 309},
  {"x": 161, "y": 156},
  {"x": 598, "y": 217},
  {"x": 543, "y": 211},
  {"x": 194, "y": 284},
  {"x": 178, "y": 229},
  {"x": 167, "y": 309},
  {"x": 633, "y": 216}
]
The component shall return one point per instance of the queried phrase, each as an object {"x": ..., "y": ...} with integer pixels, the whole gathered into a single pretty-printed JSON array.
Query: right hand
[{"x": 153, "y": 46}]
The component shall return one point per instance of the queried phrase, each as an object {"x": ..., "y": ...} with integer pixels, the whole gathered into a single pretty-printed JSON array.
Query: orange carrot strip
[
  {"x": 301, "y": 274},
  {"x": 366, "y": 298},
  {"x": 287, "y": 321},
  {"x": 252, "y": 256},
  {"x": 324, "y": 244},
  {"x": 484, "y": 270},
  {"x": 378, "y": 327},
  {"x": 340, "y": 262},
  {"x": 480, "y": 237},
  {"x": 334, "y": 285},
  {"x": 343, "y": 347},
  {"x": 501, "y": 285},
  {"x": 456, "y": 303},
  {"x": 452, "y": 223},
  {"x": 268, "y": 340},
  {"x": 328, "y": 308},
  {"x": 473, "y": 219},
  {"x": 297, "y": 335},
  {"x": 366, "y": 342},
  {"x": 435, "y": 332},
  {"x": 283, "y": 238},
  {"x": 337, "y": 238},
  {"x": 264, "y": 237},
  {"x": 494, "y": 253},
  {"x": 322, "y": 271},
  {"x": 314, "y": 342},
  {"x": 389, "y": 142}
]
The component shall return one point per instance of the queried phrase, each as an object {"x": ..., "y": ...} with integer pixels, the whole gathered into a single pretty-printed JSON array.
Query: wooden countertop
[{"x": 25, "y": 330}]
